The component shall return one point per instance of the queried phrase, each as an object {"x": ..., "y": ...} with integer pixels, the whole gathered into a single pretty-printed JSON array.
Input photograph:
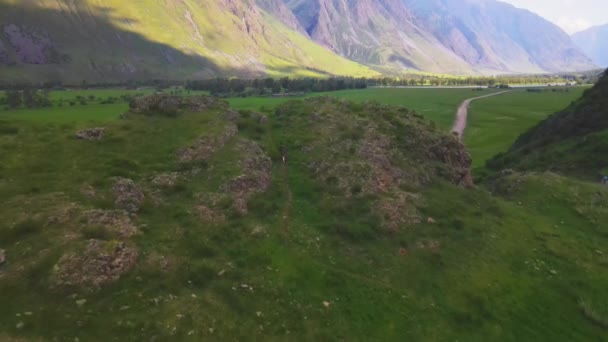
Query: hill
[
  {"x": 453, "y": 36},
  {"x": 573, "y": 141},
  {"x": 594, "y": 42},
  {"x": 114, "y": 40},
  {"x": 184, "y": 220}
]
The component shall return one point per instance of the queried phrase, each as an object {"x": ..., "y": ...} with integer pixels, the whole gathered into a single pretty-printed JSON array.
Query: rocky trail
[{"x": 460, "y": 124}]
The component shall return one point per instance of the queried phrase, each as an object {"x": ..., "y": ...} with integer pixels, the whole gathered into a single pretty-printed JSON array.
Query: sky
[{"x": 571, "y": 15}]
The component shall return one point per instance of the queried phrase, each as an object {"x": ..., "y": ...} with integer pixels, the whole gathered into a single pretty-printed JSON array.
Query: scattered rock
[
  {"x": 205, "y": 147},
  {"x": 166, "y": 179},
  {"x": 209, "y": 215},
  {"x": 326, "y": 304},
  {"x": 256, "y": 175},
  {"x": 81, "y": 302},
  {"x": 2, "y": 256},
  {"x": 116, "y": 221},
  {"x": 20, "y": 325},
  {"x": 553, "y": 272},
  {"x": 127, "y": 195},
  {"x": 100, "y": 263},
  {"x": 263, "y": 119},
  {"x": 91, "y": 134},
  {"x": 431, "y": 220}
]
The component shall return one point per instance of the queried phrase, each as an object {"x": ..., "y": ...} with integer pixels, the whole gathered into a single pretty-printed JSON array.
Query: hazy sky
[{"x": 571, "y": 15}]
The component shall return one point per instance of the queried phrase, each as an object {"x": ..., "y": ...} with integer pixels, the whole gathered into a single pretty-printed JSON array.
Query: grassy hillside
[
  {"x": 117, "y": 40},
  {"x": 573, "y": 141},
  {"x": 361, "y": 234}
]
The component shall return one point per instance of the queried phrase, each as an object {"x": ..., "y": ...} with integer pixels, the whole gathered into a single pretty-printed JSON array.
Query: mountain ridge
[
  {"x": 594, "y": 41},
  {"x": 113, "y": 40}
]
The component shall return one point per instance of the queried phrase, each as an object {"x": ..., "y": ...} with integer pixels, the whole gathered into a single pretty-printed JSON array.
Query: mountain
[
  {"x": 573, "y": 141},
  {"x": 594, "y": 42},
  {"x": 109, "y": 40},
  {"x": 440, "y": 35}
]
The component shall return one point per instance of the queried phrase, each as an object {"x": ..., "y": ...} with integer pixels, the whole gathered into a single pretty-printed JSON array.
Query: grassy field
[
  {"x": 495, "y": 122},
  {"x": 305, "y": 263}
]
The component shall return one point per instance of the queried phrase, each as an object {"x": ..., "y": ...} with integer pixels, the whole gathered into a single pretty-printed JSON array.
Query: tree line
[
  {"x": 225, "y": 87},
  {"x": 28, "y": 97}
]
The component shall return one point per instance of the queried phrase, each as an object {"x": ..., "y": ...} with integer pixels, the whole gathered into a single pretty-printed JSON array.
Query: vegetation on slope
[
  {"x": 573, "y": 141},
  {"x": 361, "y": 234},
  {"x": 117, "y": 40}
]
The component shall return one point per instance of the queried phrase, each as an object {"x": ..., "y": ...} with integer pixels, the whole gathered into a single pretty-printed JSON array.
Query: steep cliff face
[{"x": 594, "y": 42}]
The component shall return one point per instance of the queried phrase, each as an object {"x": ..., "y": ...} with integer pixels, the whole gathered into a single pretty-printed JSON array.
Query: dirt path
[
  {"x": 460, "y": 124},
  {"x": 287, "y": 209}
]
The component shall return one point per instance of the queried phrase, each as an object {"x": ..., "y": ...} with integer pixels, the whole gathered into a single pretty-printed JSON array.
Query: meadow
[{"x": 526, "y": 263}]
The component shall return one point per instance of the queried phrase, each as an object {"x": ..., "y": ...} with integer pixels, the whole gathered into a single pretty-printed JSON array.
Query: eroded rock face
[
  {"x": 91, "y": 134},
  {"x": 127, "y": 195},
  {"x": 115, "y": 221},
  {"x": 31, "y": 47},
  {"x": 99, "y": 264}
]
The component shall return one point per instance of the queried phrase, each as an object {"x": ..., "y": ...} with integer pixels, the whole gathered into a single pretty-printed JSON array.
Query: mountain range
[
  {"x": 109, "y": 40},
  {"x": 594, "y": 42}
]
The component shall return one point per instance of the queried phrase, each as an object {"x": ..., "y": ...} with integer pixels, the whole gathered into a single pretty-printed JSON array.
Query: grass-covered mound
[
  {"x": 187, "y": 225},
  {"x": 573, "y": 141}
]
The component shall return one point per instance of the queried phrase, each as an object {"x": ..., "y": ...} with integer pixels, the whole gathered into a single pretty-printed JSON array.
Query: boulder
[{"x": 91, "y": 133}]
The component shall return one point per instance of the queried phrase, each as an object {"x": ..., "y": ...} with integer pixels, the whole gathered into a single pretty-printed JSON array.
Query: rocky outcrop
[
  {"x": 32, "y": 47},
  {"x": 127, "y": 195},
  {"x": 256, "y": 171},
  {"x": 91, "y": 133},
  {"x": 206, "y": 146},
  {"x": 99, "y": 263}
]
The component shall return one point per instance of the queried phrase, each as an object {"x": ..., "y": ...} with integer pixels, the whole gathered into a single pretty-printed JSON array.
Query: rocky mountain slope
[
  {"x": 116, "y": 40},
  {"x": 440, "y": 35},
  {"x": 594, "y": 42},
  {"x": 574, "y": 141}
]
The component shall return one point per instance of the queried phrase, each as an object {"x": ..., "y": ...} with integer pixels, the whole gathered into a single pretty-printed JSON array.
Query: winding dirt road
[{"x": 460, "y": 124}]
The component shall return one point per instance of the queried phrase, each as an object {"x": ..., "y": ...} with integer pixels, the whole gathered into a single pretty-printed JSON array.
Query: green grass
[
  {"x": 522, "y": 264},
  {"x": 495, "y": 122}
]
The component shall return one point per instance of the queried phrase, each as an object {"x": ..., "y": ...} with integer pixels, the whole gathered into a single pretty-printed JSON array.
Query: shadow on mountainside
[{"x": 78, "y": 43}]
